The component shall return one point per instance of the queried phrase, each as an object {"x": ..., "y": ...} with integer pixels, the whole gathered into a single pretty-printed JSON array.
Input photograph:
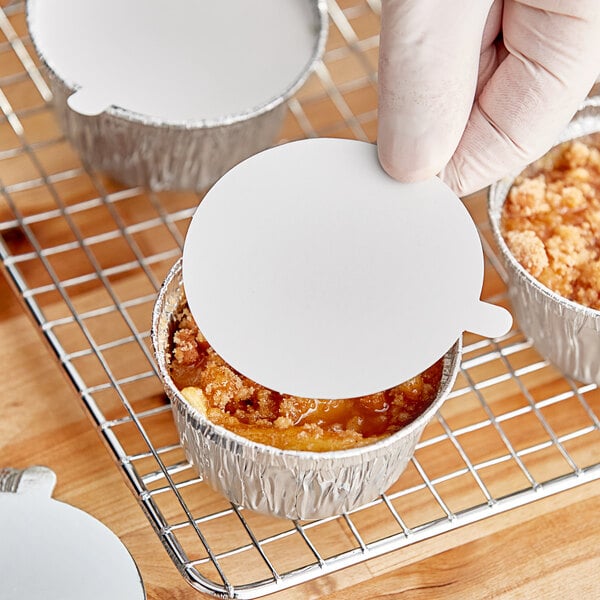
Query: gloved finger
[
  {"x": 492, "y": 51},
  {"x": 428, "y": 68},
  {"x": 553, "y": 59}
]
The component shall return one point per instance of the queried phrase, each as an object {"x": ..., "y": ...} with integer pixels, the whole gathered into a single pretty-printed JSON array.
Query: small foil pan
[
  {"x": 138, "y": 149},
  {"x": 564, "y": 332},
  {"x": 284, "y": 483}
]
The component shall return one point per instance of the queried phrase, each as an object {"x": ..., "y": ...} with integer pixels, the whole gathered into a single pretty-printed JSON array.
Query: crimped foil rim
[
  {"x": 269, "y": 105},
  {"x": 498, "y": 192},
  {"x": 360, "y": 453}
]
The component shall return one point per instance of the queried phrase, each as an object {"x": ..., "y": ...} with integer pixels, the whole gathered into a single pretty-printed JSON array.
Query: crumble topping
[
  {"x": 551, "y": 221},
  {"x": 233, "y": 401}
]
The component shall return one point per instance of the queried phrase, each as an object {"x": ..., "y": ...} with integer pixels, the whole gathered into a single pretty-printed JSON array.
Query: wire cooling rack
[{"x": 87, "y": 256}]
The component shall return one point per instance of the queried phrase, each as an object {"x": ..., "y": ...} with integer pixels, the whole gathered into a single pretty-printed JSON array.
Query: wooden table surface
[
  {"x": 545, "y": 549},
  {"x": 548, "y": 549}
]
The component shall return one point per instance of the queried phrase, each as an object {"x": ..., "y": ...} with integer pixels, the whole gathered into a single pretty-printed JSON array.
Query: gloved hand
[{"x": 472, "y": 90}]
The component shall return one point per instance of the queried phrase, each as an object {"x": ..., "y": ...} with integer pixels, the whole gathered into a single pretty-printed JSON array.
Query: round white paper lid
[
  {"x": 55, "y": 551},
  {"x": 177, "y": 61},
  {"x": 313, "y": 273}
]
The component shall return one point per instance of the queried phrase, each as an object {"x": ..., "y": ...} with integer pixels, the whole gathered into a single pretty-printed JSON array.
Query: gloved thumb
[{"x": 428, "y": 69}]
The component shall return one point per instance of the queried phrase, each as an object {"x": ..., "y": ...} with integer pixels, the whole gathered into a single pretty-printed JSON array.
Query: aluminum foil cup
[
  {"x": 564, "y": 332},
  {"x": 284, "y": 483},
  {"x": 137, "y": 149}
]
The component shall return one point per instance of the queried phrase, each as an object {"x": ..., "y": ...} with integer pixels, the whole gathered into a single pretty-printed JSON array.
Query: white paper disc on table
[
  {"x": 179, "y": 61},
  {"x": 55, "y": 551},
  {"x": 314, "y": 273}
]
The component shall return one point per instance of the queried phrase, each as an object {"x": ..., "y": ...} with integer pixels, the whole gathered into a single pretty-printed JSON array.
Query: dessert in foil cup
[
  {"x": 139, "y": 149},
  {"x": 284, "y": 483},
  {"x": 565, "y": 332}
]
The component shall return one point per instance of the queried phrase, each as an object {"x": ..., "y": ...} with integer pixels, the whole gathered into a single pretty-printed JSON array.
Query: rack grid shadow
[{"x": 87, "y": 256}]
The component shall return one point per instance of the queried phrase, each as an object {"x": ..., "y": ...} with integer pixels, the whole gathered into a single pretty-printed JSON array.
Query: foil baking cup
[
  {"x": 564, "y": 332},
  {"x": 284, "y": 483},
  {"x": 137, "y": 149}
]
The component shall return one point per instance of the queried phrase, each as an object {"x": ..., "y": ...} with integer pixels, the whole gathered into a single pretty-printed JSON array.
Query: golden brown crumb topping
[
  {"x": 551, "y": 221},
  {"x": 235, "y": 402}
]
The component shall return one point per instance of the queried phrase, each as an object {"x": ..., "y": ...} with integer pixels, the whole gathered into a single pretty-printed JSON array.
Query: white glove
[{"x": 474, "y": 89}]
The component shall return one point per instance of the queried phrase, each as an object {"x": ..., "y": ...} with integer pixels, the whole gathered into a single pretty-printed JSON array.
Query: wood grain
[{"x": 546, "y": 549}]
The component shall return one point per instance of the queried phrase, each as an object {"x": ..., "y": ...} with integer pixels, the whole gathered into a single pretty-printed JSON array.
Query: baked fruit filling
[
  {"x": 246, "y": 408},
  {"x": 551, "y": 221}
]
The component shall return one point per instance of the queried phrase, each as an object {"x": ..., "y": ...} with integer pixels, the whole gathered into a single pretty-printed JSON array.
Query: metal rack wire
[{"x": 87, "y": 257}]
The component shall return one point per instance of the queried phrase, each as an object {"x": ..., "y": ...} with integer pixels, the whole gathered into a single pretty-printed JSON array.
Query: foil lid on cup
[
  {"x": 178, "y": 62},
  {"x": 312, "y": 272}
]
